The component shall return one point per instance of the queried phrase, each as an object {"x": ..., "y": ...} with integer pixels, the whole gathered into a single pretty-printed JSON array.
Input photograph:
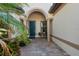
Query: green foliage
[
  {"x": 23, "y": 38},
  {"x": 4, "y": 34},
  {"x": 3, "y": 24},
  {"x": 3, "y": 29},
  {"x": 14, "y": 48},
  {"x": 8, "y": 19},
  {"x": 12, "y": 7},
  {"x": 14, "y": 45},
  {"x": 1, "y": 51}
]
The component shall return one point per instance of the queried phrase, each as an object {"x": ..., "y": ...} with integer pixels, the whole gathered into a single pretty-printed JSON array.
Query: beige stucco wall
[
  {"x": 66, "y": 26},
  {"x": 36, "y": 16}
]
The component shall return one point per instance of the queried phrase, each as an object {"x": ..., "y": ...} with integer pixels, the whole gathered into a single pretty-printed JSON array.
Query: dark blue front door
[{"x": 32, "y": 29}]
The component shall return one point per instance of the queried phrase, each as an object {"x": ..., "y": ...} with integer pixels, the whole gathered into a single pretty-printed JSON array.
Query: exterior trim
[
  {"x": 76, "y": 46},
  {"x": 56, "y": 7},
  {"x": 37, "y": 10}
]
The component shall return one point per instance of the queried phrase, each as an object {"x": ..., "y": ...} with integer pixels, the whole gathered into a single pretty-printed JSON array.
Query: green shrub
[
  {"x": 23, "y": 38},
  {"x": 14, "y": 48}
]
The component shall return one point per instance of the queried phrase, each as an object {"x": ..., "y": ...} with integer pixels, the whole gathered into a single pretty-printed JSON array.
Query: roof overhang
[{"x": 55, "y": 7}]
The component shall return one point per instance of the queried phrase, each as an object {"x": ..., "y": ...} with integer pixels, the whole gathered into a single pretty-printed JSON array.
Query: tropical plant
[
  {"x": 9, "y": 20},
  {"x": 7, "y": 8},
  {"x": 4, "y": 50},
  {"x": 12, "y": 7},
  {"x": 9, "y": 48}
]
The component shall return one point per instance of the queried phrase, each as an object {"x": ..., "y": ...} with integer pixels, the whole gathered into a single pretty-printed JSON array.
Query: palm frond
[
  {"x": 10, "y": 20},
  {"x": 12, "y": 7},
  {"x": 5, "y": 49}
]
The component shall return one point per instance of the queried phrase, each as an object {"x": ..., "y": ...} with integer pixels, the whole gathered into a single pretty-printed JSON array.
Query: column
[{"x": 48, "y": 30}]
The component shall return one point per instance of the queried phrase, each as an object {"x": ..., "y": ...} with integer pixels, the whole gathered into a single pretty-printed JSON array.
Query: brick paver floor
[{"x": 39, "y": 47}]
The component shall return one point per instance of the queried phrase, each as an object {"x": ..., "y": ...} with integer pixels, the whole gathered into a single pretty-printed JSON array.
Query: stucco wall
[
  {"x": 36, "y": 16},
  {"x": 38, "y": 28},
  {"x": 66, "y": 26}
]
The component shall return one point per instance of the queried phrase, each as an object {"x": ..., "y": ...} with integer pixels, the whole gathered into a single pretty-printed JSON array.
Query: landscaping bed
[{"x": 12, "y": 47}]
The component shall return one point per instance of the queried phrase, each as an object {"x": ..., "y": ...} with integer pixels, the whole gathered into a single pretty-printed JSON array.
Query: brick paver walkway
[{"x": 39, "y": 47}]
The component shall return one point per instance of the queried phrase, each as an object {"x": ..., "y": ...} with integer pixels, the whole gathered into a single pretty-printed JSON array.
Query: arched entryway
[{"x": 37, "y": 23}]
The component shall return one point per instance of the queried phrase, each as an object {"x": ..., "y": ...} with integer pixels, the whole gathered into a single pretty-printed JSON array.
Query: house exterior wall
[
  {"x": 36, "y": 16},
  {"x": 66, "y": 26},
  {"x": 37, "y": 28}
]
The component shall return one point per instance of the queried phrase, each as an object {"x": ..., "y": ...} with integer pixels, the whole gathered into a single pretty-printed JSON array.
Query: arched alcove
[
  {"x": 36, "y": 16},
  {"x": 37, "y": 22}
]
